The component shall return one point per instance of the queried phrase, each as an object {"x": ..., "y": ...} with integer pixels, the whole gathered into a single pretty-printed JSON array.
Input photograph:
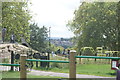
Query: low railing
[
  {"x": 9, "y": 64},
  {"x": 98, "y": 57},
  {"x": 56, "y": 61}
]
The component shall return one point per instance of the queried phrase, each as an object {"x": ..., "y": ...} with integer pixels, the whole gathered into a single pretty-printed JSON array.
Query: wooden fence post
[
  {"x": 72, "y": 65},
  {"x": 23, "y": 72}
]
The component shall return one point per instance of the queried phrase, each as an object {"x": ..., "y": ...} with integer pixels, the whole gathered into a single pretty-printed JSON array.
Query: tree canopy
[
  {"x": 38, "y": 37},
  {"x": 96, "y": 25},
  {"x": 16, "y": 17}
]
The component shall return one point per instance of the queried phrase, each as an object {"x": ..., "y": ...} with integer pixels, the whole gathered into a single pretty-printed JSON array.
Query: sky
[{"x": 54, "y": 14}]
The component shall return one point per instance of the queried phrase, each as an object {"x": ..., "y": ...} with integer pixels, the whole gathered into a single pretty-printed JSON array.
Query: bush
[
  {"x": 57, "y": 65},
  {"x": 5, "y": 60}
]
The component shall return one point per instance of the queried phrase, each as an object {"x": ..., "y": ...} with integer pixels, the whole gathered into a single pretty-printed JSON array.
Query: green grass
[
  {"x": 15, "y": 74},
  {"x": 98, "y": 69}
]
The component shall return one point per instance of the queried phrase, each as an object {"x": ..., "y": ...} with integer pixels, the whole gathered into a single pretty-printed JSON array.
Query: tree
[
  {"x": 16, "y": 17},
  {"x": 95, "y": 24},
  {"x": 38, "y": 37}
]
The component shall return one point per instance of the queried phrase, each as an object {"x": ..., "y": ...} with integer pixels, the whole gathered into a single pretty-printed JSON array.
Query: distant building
[{"x": 62, "y": 42}]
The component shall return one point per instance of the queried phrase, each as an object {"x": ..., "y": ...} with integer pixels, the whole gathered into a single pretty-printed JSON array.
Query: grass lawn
[
  {"x": 16, "y": 74},
  {"x": 96, "y": 69},
  {"x": 89, "y": 69}
]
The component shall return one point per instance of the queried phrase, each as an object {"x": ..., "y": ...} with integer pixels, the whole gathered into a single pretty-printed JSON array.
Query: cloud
[{"x": 54, "y": 13}]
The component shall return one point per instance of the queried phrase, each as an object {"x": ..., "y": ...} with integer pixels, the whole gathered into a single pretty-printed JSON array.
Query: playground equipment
[
  {"x": 72, "y": 63},
  {"x": 115, "y": 53},
  {"x": 99, "y": 51},
  {"x": 87, "y": 51}
]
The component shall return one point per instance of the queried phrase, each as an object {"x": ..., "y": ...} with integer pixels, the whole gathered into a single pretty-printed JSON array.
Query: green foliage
[
  {"x": 87, "y": 51},
  {"x": 55, "y": 48},
  {"x": 96, "y": 24},
  {"x": 5, "y": 60},
  {"x": 56, "y": 65},
  {"x": 38, "y": 37},
  {"x": 15, "y": 17}
]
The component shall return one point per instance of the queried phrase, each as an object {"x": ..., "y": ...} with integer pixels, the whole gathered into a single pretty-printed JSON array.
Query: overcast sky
[{"x": 54, "y": 14}]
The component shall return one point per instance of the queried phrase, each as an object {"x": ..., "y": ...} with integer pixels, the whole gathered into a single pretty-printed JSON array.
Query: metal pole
[
  {"x": 72, "y": 65},
  {"x": 49, "y": 49},
  {"x": 49, "y": 37},
  {"x": 23, "y": 72},
  {"x": 12, "y": 60},
  {"x": 36, "y": 64}
]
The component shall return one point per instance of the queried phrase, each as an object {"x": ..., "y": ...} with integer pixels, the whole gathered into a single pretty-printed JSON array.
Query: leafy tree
[
  {"x": 15, "y": 17},
  {"x": 38, "y": 37},
  {"x": 95, "y": 24}
]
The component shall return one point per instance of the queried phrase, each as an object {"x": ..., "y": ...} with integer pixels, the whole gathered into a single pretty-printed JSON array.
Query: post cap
[{"x": 72, "y": 51}]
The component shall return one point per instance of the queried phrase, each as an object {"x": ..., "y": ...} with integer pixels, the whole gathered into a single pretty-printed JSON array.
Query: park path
[{"x": 65, "y": 75}]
